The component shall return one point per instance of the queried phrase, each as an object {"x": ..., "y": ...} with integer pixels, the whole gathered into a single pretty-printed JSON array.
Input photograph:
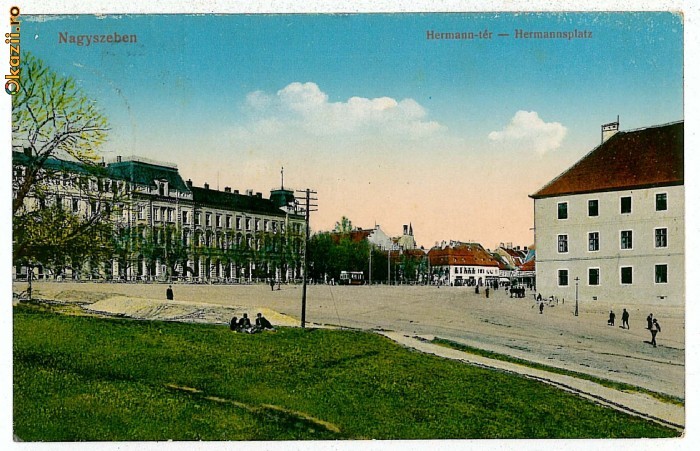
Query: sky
[{"x": 388, "y": 126}]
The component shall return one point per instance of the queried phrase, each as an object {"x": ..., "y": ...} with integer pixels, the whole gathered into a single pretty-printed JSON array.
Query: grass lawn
[{"x": 93, "y": 379}]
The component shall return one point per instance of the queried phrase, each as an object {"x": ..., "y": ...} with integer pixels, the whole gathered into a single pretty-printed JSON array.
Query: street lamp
[{"x": 576, "y": 311}]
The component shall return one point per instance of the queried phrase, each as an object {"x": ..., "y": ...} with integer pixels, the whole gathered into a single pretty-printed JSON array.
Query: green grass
[
  {"x": 621, "y": 386},
  {"x": 93, "y": 379}
]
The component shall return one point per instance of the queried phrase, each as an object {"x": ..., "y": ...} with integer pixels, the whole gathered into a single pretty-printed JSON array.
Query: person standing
[
  {"x": 655, "y": 329},
  {"x": 169, "y": 293},
  {"x": 611, "y": 319},
  {"x": 650, "y": 321},
  {"x": 625, "y": 319},
  {"x": 541, "y": 307}
]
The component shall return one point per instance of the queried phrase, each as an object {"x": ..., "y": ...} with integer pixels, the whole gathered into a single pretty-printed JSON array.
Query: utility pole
[
  {"x": 388, "y": 267},
  {"x": 576, "y": 311},
  {"x": 306, "y": 197},
  {"x": 370, "y": 265}
]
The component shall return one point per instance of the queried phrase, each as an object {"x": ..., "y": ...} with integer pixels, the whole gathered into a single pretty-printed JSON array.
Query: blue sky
[{"x": 388, "y": 126}]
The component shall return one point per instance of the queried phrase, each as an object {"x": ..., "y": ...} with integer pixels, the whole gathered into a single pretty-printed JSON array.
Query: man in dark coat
[
  {"x": 262, "y": 323},
  {"x": 625, "y": 318},
  {"x": 169, "y": 293}
]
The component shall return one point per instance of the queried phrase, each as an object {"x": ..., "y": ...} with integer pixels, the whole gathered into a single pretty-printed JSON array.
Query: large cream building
[
  {"x": 221, "y": 235},
  {"x": 612, "y": 225}
]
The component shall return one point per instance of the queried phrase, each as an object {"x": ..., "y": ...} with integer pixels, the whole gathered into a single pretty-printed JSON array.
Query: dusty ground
[{"x": 512, "y": 326}]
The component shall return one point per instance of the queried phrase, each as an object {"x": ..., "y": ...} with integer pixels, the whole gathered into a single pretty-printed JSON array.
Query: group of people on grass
[
  {"x": 244, "y": 324},
  {"x": 652, "y": 323}
]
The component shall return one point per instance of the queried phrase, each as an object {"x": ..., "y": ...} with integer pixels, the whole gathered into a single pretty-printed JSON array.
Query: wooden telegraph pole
[{"x": 307, "y": 210}]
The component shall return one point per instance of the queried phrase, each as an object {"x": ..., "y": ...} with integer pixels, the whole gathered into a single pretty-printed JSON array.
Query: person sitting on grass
[
  {"x": 262, "y": 323},
  {"x": 244, "y": 324},
  {"x": 233, "y": 325}
]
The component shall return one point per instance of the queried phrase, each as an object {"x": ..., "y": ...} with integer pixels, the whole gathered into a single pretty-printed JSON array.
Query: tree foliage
[
  {"x": 57, "y": 238},
  {"x": 52, "y": 117}
]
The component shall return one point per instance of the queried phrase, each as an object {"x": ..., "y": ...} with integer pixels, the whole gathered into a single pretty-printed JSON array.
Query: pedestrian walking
[
  {"x": 650, "y": 321},
  {"x": 541, "y": 307},
  {"x": 169, "y": 293},
  {"x": 487, "y": 292},
  {"x": 611, "y": 318},
  {"x": 625, "y": 319},
  {"x": 655, "y": 329}
]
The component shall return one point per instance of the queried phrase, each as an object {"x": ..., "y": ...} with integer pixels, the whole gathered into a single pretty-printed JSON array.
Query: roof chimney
[
  {"x": 28, "y": 151},
  {"x": 119, "y": 158},
  {"x": 206, "y": 185},
  {"x": 259, "y": 195},
  {"x": 235, "y": 191},
  {"x": 405, "y": 229},
  {"x": 227, "y": 189},
  {"x": 608, "y": 130},
  {"x": 189, "y": 183}
]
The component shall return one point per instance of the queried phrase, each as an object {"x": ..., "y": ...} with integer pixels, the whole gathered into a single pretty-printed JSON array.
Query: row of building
[
  {"x": 174, "y": 230},
  {"x": 611, "y": 227}
]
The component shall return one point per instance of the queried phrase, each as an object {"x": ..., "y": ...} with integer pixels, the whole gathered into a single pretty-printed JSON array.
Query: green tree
[
  {"x": 52, "y": 118},
  {"x": 344, "y": 226},
  {"x": 56, "y": 238}
]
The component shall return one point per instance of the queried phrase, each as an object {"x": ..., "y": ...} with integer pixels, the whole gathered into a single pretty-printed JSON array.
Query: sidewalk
[{"x": 638, "y": 404}]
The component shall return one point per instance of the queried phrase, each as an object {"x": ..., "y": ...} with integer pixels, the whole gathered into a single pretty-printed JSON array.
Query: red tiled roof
[
  {"x": 355, "y": 236},
  {"x": 528, "y": 265},
  {"x": 642, "y": 158},
  {"x": 464, "y": 254}
]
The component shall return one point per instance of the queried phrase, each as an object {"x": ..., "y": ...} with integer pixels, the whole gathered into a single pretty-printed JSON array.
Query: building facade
[
  {"x": 169, "y": 229},
  {"x": 459, "y": 264},
  {"x": 612, "y": 225}
]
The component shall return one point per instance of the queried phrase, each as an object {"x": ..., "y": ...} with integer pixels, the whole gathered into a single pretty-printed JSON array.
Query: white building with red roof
[
  {"x": 459, "y": 263},
  {"x": 614, "y": 222}
]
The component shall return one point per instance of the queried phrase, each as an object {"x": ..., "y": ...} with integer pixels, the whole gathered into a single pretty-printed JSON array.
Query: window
[
  {"x": 76, "y": 205},
  {"x": 593, "y": 276},
  {"x": 208, "y": 220},
  {"x": 197, "y": 218},
  {"x": 563, "y": 277},
  {"x": 626, "y": 205},
  {"x": 626, "y": 275},
  {"x": 562, "y": 210},
  {"x": 228, "y": 222},
  {"x": 593, "y": 241},
  {"x": 185, "y": 218},
  {"x": 257, "y": 224},
  {"x": 140, "y": 212},
  {"x": 156, "y": 214},
  {"x": 661, "y": 237},
  {"x": 661, "y": 203},
  {"x": 266, "y": 225},
  {"x": 238, "y": 223},
  {"x": 593, "y": 207},
  {"x": 247, "y": 223},
  {"x": 218, "y": 220},
  {"x": 626, "y": 239},
  {"x": 661, "y": 273},
  {"x": 274, "y": 226},
  {"x": 563, "y": 243}
]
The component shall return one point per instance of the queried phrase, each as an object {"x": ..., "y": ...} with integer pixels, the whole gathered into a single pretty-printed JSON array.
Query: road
[{"x": 556, "y": 337}]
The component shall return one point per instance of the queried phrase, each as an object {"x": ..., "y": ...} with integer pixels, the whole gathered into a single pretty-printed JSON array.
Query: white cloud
[
  {"x": 303, "y": 106},
  {"x": 527, "y": 131}
]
